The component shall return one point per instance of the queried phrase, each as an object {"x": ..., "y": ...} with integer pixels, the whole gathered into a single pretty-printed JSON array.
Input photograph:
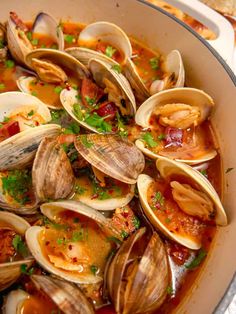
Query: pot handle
[{"x": 224, "y": 43}]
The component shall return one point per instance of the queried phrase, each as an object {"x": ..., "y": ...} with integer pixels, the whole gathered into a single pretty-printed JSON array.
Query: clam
[
  {"x": 18, "y": 42},
  {"x": 179, "y": 110},
  {"x": 115, "y": 85},
  {"x": 194, "y": 202},
  {"x": 55, "y": 67},
  {"x": 27, "y": 113},
  {"x": 51, "y": 65},
  {"x": 138, "y": 275},
  {"x": 60, "y": 296},
  {"x": 11, "y": 226},
  {"x": 105, "y": 33},
  {"x": 112, "y": 155},
  {"x": 78, "y": 233},
  {"x": 52, "y": 173},
  {"x": 174, "y": 76}
]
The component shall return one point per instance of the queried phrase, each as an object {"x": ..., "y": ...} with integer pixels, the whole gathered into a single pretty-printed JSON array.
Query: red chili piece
[
  {"x": 173, "y": 136},
  {"x": 9, "y": 129},
  {"x": 107, "y": 109}
]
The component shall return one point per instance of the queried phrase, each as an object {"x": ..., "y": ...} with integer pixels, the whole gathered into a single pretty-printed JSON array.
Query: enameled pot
[{"x": 206, "y": 70}]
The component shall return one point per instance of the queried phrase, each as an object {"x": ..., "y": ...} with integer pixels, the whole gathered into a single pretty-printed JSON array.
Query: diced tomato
[
  {"x": 107, "y": 109},
  {"x": 66, "y": 138},
  {"x": 90, "y": 92},
  {"x": 173, "y": 136},
  {"x": 179, "y": 253},
  {"x": 9, "y": 129},
  {"x": 106, "y": 310},
  {"x": 6, "y": 248}
]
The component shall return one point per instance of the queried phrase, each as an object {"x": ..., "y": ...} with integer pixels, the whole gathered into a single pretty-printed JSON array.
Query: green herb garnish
[
  {"x": 35, "y": 42},
  {"x": 148, "y": 138},
  {"x": 77, "y": 111},
  {"x": 90, "y": 101},
  {"x": 17, "y": 184},
  {"x": 116, "y": 68},
  {"x": 31, "y": 113},
  {"x": 29, "y": 35},
  {"x": 34, "y": 93},
  {"x": 77, "y": 236},
  {"x": 9, "y": 64},
  {"x": 114, "y": 239},
  {"x": 56, "y": 115},
  {"x": 23, "y": 269},
  {"x": 85, "y": 141},
  {"x": 154, "y": 63},
  {"x": 204, "y": 172},
  {"x": 79, "y": 189},
  {"x": 94, "y": 269},
  {"x": 98, "y": 122},
  {"x": 159, "y": 198},
  {"x": 169, "y": 290},
  {"x": 197, "y": 260},
  {"x": 136, "y": 222},
  {"x": 109, "y": 52},
  {"x": 69, "y": 38},
  {"x": 58, "y": 89},
  {"x": 124, "y": 234},
  {"x": 121, "y": 127},
  {"x": 161, "y": 137},
  {"x": 2, "y": 86},
  {"x": 19, "y": 245},
  {"x": 73, "y": 128}
]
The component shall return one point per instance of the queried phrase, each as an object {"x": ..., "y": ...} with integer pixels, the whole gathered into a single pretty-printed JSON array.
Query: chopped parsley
[
  {"x": 9, "y": 64},
  {"x": 124, "y": 234},
  {"x": 29, "y": 35},
  {"x": 154, "y": 63},
  {"x": 109, "y": 52},
  {"x": 114, "y": 239},
  {"x": 85, "y": 141},
  {"x": 2, "y": 86},
  {"x": 31, "y": 113},
  {"x": 94, "y": 269},
  {"x": 148, "y": 138},
  {"x": 73, "y": 128},
  {"x": 79, "y": 189},
  {"x": 169, "y": 290},
  {"x": 2, "y": 43},
  {"x": 69, "y": 38},
  {"x": 58, "y": 89},
  {"x": 161, "y": 137},
  {"x": 35, "y": 42},
  {"x": 136, "y": 222},
  {"x": 90, "y": 101},
  {"x": 204, "y": 173},
  {"x": 23, "y": 269},
  {"x": 98, "y": 122},
  {"x": 17, "y": 184},
  {"x": 34, "y": 93},
  {"x": 56, "y": 115},
  {"x": 116, "y": 68},
  {"x": 197, "y": 260},
  {"x": 121, "y": 127},
  {"x": 19, "y": 245},
  {"x": 77, "y": 112}
]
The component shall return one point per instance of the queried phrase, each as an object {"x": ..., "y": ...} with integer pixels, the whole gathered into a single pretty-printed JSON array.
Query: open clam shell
[
  {"x": 18, "y": 42},
  {"x": 138, "y": 284},
  {"x": 52, "y": 174},
  {"x": 51, "y": 210},
  {"x": 66, "y": 296},
  {"x": 109, "y": 33},
  {"x": 190, "y": 96},
  {"x": 113, "y": 155},
  {"x": 170, "y": 169},
  {"x": 11, "y": 271},
  {"x": 50, "y": 57}
]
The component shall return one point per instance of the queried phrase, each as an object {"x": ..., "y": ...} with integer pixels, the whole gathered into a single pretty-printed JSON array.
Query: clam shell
[
  {"x": 19, "y": 150},
  {"x": 14, "y": 301},
  {"x": 11, "y": 271},
  {"x": 51, "y": 210},
  {"x": 167, "y": 168},
  {"x": 52, "y": 174},
  {"x": 45, "y": 24},
  {"x": 144, "y": 288},
  {"x": 60, "y": 58},
  {"x": 66, "y": 296},
  {"x": 190, "y": 96},
  {"x": 101, "y": 70},
  {"x": 84, "y": 55},
  {"x": 109, "y": 33},
  {"x": 113, "y": 155}
]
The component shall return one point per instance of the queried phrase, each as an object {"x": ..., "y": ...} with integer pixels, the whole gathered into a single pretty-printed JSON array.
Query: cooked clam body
[
  {"x": 112, "y": 155},
  {"x": 18, "y": 42},
  {"x": 179, "y": 113},
  {"x": 197, "y": 202},
  {"x": 12, "y": 227},
  {"x": 74, "y": 243},
  {"x": 138, "y": 277},
  {"x": 107, "y": 33}
]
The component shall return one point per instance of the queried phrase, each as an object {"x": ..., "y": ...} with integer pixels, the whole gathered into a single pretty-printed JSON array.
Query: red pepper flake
[
  {"x": 47, "y": 242},
  {"x": 74, "y": 259},
  {"x": 70, "y": 247}
]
